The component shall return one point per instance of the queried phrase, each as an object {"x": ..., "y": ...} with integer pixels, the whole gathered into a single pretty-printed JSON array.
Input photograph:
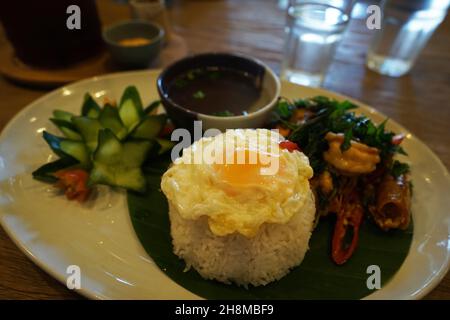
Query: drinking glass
[
  {"x": 313, "y": 31},
  {"x": 406, "y": 28},
  {"x": 153, "y": 11}
]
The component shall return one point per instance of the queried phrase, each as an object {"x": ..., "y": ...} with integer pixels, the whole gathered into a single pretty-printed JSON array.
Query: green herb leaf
[
  {"x": 190, "y": 75},
  {"x": 284, "y": 109},
  {"x": 213, "y": 75},
  {"x": 348, "y": 135},
  {"x": 399, "y": 168},
  {"x": 199, "y": 95},
  {"x": 224, "y": 113},
  {"x": 180, "y": 83}
]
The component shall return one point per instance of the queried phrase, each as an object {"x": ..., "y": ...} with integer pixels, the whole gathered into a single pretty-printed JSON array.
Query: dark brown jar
[{"x": 38, "y": 32}]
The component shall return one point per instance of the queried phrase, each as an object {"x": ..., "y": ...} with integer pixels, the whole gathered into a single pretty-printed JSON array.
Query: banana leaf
[{"x": 316, "y": 278}]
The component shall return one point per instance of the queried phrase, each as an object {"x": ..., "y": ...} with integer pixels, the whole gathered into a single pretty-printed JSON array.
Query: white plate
[{"x": 99, "y": 238}]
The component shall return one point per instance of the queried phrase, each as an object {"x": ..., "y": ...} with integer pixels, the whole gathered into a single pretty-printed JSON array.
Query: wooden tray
[{"x": 14, "y": 69}]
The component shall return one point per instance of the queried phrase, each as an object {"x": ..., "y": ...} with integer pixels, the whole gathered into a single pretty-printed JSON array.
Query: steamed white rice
[{"x": 270, "y": 255}]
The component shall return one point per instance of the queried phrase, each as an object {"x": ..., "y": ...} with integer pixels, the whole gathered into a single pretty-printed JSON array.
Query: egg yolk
[{"x": 247, "y": 172}]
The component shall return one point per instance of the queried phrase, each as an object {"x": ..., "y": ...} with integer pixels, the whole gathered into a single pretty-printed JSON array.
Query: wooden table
[{"x": 419, "y": 100}]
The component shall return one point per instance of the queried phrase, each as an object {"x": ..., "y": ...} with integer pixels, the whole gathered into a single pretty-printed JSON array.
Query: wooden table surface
[{"x": 419, "y": 100}]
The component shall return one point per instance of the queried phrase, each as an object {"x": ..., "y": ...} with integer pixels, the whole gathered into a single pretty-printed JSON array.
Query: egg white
[{"x": 199, "y": 189}]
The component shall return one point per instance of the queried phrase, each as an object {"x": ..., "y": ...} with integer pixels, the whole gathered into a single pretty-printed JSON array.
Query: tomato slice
[
  {"x": 74, "y": 183},
  {"x": 289, "y": 146}
]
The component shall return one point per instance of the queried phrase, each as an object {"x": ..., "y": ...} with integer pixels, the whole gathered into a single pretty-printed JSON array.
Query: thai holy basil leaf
[
  {"x": 399, "y": 168},
  {"x": 348, "y": 135}
]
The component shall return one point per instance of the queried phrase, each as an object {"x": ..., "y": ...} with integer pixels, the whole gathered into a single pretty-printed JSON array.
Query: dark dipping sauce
[{"x": 218, "y": 92}]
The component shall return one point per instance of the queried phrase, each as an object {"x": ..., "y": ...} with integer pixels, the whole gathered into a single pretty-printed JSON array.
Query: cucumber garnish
[
  {"x": 150, "y": 127},
  {"x": 67, "y": 128},
  {"x": 68, "y": 148},
  {"x": 130, "y": 108},
  {"x": 90, "y": 108},
  {"x": 46, "y": 172},
  {"x": 109, "y": 118},
  {"x": 89, "y": 129},
  {"x": 110, "y": 143},
  {"x": 119, "y": 163}
]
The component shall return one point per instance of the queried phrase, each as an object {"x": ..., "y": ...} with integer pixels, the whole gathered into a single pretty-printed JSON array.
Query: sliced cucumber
[
  {"x": 165, "y": 145},
  {"x": 88, "y": 129},
  {"x": 46, "y": 172},
  {"x": 90, "y": 108},
  {"x": 131, "y": 179},
  {"x": 68, "y": 148},
  {"x": 109, "y": 118},
  {"x": 63, "y": 115},
  {"x": 67, "y": 128},
  {"x": 119, "y": 164},
  {"x": 130, "y": 108},
  {"x": 150, "y": 127},
  {"x": 76, "y": 149},
  {"x": 152, "y": 107}
]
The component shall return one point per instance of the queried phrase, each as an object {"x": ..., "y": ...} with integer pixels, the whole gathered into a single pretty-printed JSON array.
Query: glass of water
[
  {"x": 406, "y": 28},
  {"x": 313, "y": 31}
]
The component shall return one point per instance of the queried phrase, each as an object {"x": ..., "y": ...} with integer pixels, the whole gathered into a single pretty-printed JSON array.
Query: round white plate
[{"x": 99, "y": 238}]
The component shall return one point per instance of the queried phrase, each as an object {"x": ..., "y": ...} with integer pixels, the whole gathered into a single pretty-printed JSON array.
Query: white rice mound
[{"x": 270, "y": 255}]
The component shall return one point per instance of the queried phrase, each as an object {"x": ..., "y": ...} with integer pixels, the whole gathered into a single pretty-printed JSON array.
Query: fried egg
[{"x": 239, "y": 180}]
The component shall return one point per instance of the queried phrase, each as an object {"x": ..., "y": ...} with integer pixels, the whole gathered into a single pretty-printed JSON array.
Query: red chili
[
  {"x": 166, "y": 130},
  {"x": 289, "y": 146},
  {"x": 397, "y": 139},
  {"x": 349, "y": 217},
  {"x": 74, "y": 183}
]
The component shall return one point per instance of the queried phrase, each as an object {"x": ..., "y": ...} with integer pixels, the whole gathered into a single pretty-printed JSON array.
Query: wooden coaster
[{"x": 12, "y": 68}]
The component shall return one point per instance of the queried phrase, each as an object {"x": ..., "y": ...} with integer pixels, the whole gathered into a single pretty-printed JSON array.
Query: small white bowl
[{"x": 184, "y": 117}]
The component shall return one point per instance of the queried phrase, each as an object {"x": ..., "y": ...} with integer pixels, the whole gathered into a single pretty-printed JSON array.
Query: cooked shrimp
[{"x": 358, "y": 159}]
